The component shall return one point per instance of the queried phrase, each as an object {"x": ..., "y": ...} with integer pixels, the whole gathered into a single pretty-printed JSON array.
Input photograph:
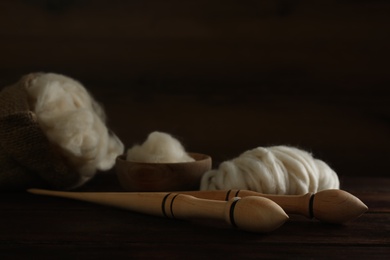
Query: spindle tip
[
  {"x": 337, "y": 206},
  {"x": 255, "y": 214}
]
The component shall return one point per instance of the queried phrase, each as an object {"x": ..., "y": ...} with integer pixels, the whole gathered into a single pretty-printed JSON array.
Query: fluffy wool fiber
[
  {"x": 75, "y": 123},
  {"x": 159, "y": 148},
  {"x": 273, "y": 170}
]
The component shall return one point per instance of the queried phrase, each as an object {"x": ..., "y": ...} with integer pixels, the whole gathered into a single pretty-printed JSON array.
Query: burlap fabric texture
[{"x": 27, "y": 158}]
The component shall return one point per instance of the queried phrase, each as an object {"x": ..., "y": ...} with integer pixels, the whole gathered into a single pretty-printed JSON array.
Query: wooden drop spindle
[
  {"x": 252, "y": 213},
  {"x": 331, "y": 206}
]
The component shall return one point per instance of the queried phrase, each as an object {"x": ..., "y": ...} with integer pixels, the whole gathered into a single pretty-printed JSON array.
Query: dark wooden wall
[{"x": 222, "y": 76}]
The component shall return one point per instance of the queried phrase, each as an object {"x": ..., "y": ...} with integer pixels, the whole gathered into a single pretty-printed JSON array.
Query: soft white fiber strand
[
  {"x": 159, "y": 147},
  {"x": 75, "y": 122},
  {"x": 273, "y": 170}
]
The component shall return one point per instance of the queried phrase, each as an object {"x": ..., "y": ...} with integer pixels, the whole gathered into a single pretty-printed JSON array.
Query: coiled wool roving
[{"x": 272, "y": 170}]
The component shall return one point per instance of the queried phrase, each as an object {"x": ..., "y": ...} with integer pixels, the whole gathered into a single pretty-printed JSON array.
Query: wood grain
[{"x": 321, "y": 46}]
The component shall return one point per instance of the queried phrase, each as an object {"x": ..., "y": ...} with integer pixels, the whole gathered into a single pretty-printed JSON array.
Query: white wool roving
[
  {"x": 75, "y": 122},
  {"x": 158, "y": 148},
  {"x": 272, "y": 170}
]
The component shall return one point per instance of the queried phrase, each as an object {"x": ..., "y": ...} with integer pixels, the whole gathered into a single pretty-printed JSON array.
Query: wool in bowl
[{"x": 159, "y": 147}]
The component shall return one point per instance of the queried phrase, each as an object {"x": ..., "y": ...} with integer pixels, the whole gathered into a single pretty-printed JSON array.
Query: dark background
[{"x": 221, "y": 76}]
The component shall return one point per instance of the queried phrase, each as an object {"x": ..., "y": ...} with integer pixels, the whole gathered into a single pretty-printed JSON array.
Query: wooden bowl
[{"x": 138, "y": 176}]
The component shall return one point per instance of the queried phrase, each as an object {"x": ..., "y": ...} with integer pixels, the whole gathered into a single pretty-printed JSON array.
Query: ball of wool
[
  {"x": 272, "y": 170},
  {"x": 159, "y": 148},
  {"x": 74, "y": 122}
]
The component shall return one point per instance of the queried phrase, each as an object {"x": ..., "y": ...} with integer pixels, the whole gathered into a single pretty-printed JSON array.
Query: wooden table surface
[{"x": 54, "y": 228}]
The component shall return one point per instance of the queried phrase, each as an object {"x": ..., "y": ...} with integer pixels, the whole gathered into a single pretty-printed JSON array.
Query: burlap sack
[{"x": 27, "y": 158}]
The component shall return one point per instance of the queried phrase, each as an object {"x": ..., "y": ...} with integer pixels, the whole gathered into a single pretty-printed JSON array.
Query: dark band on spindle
[
  {"x": 231, "y": 212},
  {"x": 227, "y": 195},
  {"x": 311, "y": 202},
  {"x": 170, "y": 207},
  {"x": 163, "y": 205}
]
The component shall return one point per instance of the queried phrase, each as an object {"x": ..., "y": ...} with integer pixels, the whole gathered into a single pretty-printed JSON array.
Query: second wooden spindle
[{"x": 331, "y": 206}]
